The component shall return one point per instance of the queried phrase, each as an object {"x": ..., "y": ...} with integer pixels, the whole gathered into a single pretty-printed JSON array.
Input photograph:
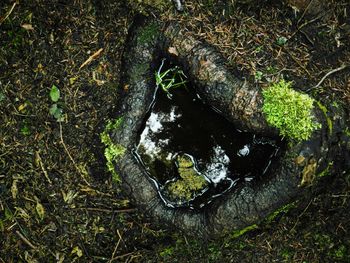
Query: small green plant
[
  {"x": 289, "y": 111},
  {"x": 281, "y": 41},
  {"x": 25, "y": 130},
  {"x": 55, "y": 109},
  {"x": 112, "y": 150},
  {"x": 169, "y": 79},
  {"x": 258, "y": 75}
]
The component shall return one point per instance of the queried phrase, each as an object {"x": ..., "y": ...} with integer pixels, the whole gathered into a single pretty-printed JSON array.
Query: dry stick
[
  {"x": 306, "y": 9},
  {"x": 123, "y": 256},
  {"x": 8, "y": 13},
  {"x": 116, "y": 247},
  {"x": 303, "y": 25},
  {"x": 302, "y": 213},
  {"x": 91, "y": 58},
  {"x": 327, "y": 75},
  {"x": 70, "y": 156},
  {"x": 43, "y": 168},
  {"x": 25, "y": 240},
  {"x": 298, "y": 62}
]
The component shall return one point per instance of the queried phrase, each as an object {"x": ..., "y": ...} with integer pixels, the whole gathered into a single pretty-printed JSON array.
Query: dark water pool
[{"x": 184, "y": 127}]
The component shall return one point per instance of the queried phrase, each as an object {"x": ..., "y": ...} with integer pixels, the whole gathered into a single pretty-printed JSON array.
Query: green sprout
[
  {"x": 55, "y": 109},
  {"x": 289, "y": 111},
  {"x": 169, "y": 79}
]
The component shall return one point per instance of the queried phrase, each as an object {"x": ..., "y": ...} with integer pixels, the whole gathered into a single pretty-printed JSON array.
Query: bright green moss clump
[
  {"x": 112, "y": 150},
  {"x": 289, "y": 111}
]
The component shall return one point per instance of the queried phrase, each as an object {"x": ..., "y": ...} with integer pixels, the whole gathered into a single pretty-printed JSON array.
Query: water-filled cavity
[{"x": 195, "y": 155}]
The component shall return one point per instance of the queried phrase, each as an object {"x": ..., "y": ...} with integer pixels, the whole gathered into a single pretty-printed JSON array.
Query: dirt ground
[{"x": 58, "y": 202}]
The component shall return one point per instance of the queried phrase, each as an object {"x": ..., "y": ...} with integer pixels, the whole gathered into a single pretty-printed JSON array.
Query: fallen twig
[
  {"x": 91, "y": 58},
  {"x": 123, "y": 256},
  {"x": 300, "y": 215},
  {"x": 40, "y": 161},
  {"x": 25, "y": 240},
  {"x": 8, "y": 13},
  {"x": 303, "y": 25},
  {"x": 305, "y": 11},
  {"x": 116, "y": 246},
  {"x": 70, "y": 156},
  {"x": 327, "y": 75}
]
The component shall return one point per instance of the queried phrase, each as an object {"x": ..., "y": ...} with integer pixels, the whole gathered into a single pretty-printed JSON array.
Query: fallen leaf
[
  {"x": 22, "y": 107},
  {"x": 300, "y": 160},
  {"x": 173, "y": 51},
  {"x": 40, "y": 210},
  {"x": 76, "y": 250},
  {"x": 54, "y": 93},
  {"x": 72, "y": 80},
  {"x": 27, "y": 27}
]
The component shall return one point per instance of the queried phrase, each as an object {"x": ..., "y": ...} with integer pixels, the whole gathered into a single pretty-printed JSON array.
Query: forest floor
[{"x": 58, "y": 202}]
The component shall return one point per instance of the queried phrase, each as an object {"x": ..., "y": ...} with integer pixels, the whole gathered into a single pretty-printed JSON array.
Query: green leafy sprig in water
[{"x": 169, "y": 79}]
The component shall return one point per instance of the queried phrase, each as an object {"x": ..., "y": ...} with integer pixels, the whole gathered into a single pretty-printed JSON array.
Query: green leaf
[
  {"x": 56, "y": 112},
  {"x": 54, "y": 93},
  {"x": 53, "y": 109}
]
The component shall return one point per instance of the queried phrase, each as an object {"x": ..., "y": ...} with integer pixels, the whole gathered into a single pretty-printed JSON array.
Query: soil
[{"x": 58, "y": 201}]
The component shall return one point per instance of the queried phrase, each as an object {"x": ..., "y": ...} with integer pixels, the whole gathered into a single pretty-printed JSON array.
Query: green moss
[
  {"x": 326, "y": 171},
  {"x": 328, "y": 119},
  {"x": 191, "y": 181},
  {"x": 148, "y": 33},
  {"x": 347, "y": 132},
  {"x": 340, "y": 253},
  {"x": 184, "y": 161},
  {"x": 287, "y": 254},
  {"x": 284, "y": 209},
  {"x": 240, "y": 232},
  {"x": 167, "y": 252},
  {"x": 113, "y": 151},
  {"x": 289, "y": 111}
]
